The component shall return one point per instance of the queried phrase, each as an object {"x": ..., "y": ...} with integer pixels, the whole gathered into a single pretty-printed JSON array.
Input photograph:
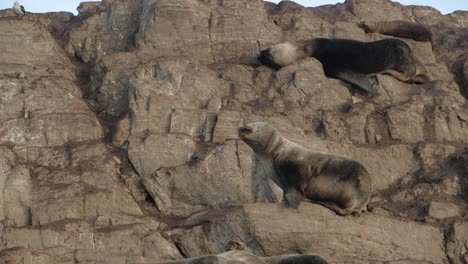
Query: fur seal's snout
[{"x": 244, "y": 131}]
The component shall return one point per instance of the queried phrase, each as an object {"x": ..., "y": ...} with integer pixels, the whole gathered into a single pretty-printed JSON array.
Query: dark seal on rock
[
  {"x": 399, "y": 28},
  {"x": 247, "y": 257},
  {"x": 295, "y": 259},
  {"x": 336, "y": 182},
  {"x": 350, "y": 60}
]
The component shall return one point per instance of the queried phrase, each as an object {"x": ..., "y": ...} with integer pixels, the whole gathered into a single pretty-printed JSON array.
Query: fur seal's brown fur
[
  {"x": 400, "y": 29},
  {"x": 337, "y": 182},
  {"x": 246, "y": 257},
  {"x": 351, "y": 60}
]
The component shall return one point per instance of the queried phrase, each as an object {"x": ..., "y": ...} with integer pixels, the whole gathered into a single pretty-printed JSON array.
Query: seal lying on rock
[
  {"x": 351, "y": 60},
  {"x": 399, "y": 28},
  {"x": 246, "y": 257},
  {"x": 336, "y": 182}
]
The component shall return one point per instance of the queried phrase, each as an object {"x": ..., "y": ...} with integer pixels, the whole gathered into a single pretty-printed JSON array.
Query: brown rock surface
[{"x": 118, "y": 134}]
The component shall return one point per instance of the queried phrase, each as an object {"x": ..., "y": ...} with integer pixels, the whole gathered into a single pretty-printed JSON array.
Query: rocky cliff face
[{"x": 118, "y": 134}]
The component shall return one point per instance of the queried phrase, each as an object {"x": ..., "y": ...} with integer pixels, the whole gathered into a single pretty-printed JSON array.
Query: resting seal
[
  {"x": 246, "y": 257},
  {"x": 351, "y": 60},
  {"x": 295, "y": 259},
  {"x": 399, "y": 28},
  {"x": 336, "y": 182}
]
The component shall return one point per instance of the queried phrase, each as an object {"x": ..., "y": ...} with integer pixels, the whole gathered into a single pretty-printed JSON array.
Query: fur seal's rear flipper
[
  {"x": 334, "y": 207},
  {"x": 358, "y": 79}
]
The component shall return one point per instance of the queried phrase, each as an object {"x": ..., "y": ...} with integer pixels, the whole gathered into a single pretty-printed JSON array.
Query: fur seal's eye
[{"x": 245, "y": 129}]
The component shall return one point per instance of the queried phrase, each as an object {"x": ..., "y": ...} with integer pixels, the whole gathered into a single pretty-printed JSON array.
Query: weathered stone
[
  {"x": 32, "y": 51},
  {"x": 223, "y": 175},
  {"x": 160, "y": 150},
  {"x": 450, "y": 186},
  {"x": 432, "y": 155},
  {"x": 358, "y": 123},
  {"x": 159, "y": 88},
  {"x": 15, "y": 190},
  {"x": 227, "y": 125},
  {"x": 315, "y": 229},
  {"x": 189, "y": 122},
  {"x": 158, "y": 248},
  {"x": 406, "y": 122},
  {"x": 440, "y": 210},
  {"x": 457, "y": 243},
  {"x": 213, "y": 30},
  {"x": 303, "y": 84},
  {"x": 101, "y": 33},
  {"x": 118, "y": 128},
  {"x": 21, "y": 255}
]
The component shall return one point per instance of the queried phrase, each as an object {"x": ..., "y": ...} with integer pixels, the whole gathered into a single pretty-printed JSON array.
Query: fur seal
[
  {"x": 400, "y": 29},
  {"x": 350, "y": 60},
  {"x": 295, "y": 259},
  {"x": 339, "y": 183},
  {"x": 246, "y": 257}
]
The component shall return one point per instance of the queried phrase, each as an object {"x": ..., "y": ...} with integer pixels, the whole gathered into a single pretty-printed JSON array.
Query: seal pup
[
  {"x": 350, "y": 60},
  {"x": 400, "y": 29},
  {"x": 339, "y": 183},
  {"x": 18, "y": 9}
]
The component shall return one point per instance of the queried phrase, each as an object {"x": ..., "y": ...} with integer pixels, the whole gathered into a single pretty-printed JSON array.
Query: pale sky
[{"x": 40, "y": 6}]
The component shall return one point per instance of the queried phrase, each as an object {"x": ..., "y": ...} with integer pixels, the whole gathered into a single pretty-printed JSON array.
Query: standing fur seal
[
  {"x": 350, "y": 60},
  {"x": 336, "y": 182},
  {"x": 400, "y": 29}
]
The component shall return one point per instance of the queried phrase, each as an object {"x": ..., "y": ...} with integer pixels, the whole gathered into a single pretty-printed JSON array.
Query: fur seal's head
[
  {"x": 280, "y": 55},
  {"x": 257, "y": 135}
]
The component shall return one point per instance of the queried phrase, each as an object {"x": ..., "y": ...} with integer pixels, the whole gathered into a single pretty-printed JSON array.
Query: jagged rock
[
  {"x": 451, "y": 186},
  {"x": 406, "y": 122},
  {"x": 32, "y": 51},
  {"x": 118, "y": 129},
  {"x": 21, "y": 255},
  {"x": 314, "y": 229},
  {"x": 440, "y": 210},
  {"x": 432, "y": 155},
  {"x": 15, "y": 190},
  {"x": 158, "y": 88},
  {"x": 187, "y": 188},
  {"x": 457, "y": 243},
  {"x": 211, "y": 29},
  {"x": 110, "y": 28},
  {"x": 84, "y": 195}
]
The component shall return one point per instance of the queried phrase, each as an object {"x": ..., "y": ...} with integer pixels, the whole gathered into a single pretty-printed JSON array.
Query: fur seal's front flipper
[
  {"x": 293, "y": 197},
  {"x": 358, "y": 79}
]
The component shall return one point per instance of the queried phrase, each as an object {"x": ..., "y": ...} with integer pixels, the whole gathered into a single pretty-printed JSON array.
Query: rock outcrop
[{"x": 118, "y": 136}]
